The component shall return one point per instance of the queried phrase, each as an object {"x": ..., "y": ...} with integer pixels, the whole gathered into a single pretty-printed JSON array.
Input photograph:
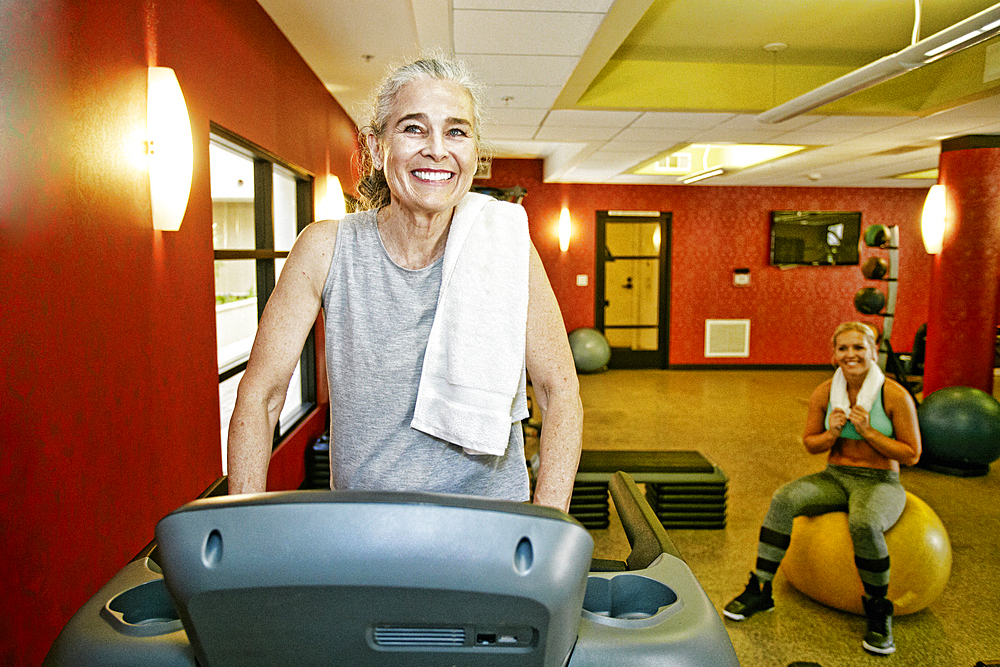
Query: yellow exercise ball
[{"x": 820, "y": 559}]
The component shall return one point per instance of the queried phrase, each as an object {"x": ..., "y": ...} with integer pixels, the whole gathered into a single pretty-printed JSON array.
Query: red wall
[
  {"x": 716, "y": 229},
  {"x": 109, "y": 415}
]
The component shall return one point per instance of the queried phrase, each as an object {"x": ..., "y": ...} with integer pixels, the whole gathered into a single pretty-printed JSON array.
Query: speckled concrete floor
[{"x": 750, "y": 424}]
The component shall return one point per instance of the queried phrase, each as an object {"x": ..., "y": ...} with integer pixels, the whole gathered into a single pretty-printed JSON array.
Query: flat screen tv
[{"x": 815, "y": 238}]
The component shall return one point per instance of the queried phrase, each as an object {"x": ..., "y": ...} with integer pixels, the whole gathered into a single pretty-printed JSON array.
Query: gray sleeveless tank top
[{"x": 378, "y": 319}]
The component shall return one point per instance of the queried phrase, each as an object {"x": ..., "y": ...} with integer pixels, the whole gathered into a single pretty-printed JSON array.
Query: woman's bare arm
[
  {"x": 557, "y": 390},
  {"x": 288, "y": 318},
  {"x": 905, "y": 445},
  {"x": 818, "y": 438}
]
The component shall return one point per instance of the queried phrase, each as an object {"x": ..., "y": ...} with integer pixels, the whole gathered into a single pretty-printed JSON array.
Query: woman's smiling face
[
  {"x": 428, "y": 150},
  {"x": 852, "y": 353}
]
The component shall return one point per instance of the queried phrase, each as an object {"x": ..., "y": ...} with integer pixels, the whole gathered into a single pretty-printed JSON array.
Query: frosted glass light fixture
[
  {"x": 565, "y": 229},
  {"x": 169, "y": 149},
  {"x": 932, "y": 220},
  {"x": 333, "y": 206}
]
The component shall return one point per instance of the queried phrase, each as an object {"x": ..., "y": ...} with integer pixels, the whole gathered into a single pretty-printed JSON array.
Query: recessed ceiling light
[{"x": 700, "y": 158}]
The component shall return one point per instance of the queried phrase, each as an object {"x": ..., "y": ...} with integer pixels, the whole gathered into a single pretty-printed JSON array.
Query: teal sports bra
[{"x": 877, "y": 418}]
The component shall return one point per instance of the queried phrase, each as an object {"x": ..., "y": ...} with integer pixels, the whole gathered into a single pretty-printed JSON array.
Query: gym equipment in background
[
  {"x": 514, "y": 195},
  {"x": 960, "y": 430},
  {"x": 820, "y": 559},
  {"x": 875, "y": 268},
  {"x": 871, "y": 301},
  {"x": 683, "y": 488},
  {"x": 355, "y": 578},
  {"x": 317, "y": 464},
  {"x": 591, "y": 351},
  {"x": 877, "y": 236}
]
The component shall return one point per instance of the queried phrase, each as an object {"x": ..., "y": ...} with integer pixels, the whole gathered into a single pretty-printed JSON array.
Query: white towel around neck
[
  {"x": 472, "y": 384},
  {"x": 869, "y": 391}
]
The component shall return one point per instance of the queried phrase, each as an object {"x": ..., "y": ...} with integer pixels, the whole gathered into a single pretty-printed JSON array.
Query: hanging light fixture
[
  {"x": 169, "y": 150},
  {"x": 932, "y": 220},
  {"x": 962, "y": 35}
]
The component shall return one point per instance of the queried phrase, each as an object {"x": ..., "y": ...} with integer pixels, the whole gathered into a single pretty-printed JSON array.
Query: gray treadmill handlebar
[{"x": 645, "y": 533}]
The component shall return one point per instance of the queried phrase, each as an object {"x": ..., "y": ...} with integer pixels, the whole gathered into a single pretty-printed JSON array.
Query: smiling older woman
[
  {"x": 436, "y": 307},
  {"x": 866, "y": 424}
]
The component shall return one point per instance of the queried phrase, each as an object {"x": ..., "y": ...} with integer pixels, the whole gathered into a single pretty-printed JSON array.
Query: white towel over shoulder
[
  {"x": 472, "y": 384},
  {"x": 866, "y": 395}
]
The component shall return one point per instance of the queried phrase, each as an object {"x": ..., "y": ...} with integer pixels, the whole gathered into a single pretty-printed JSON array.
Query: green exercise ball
[
  {"x": 960, "y": 424},
  {"x": 869, "y": 301},
  {"x": 591, "y": 351}
]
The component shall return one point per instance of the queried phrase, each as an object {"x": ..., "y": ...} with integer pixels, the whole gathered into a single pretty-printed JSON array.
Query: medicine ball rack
[{"x": 889, "y": 241}]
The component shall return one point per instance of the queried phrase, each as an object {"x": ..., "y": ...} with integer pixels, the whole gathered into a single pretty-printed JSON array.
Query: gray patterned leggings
[{"x": 873, "y": 500}]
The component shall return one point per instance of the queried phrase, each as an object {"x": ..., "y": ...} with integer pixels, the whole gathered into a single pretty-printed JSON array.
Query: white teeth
[{"x": 433, "y": 175}]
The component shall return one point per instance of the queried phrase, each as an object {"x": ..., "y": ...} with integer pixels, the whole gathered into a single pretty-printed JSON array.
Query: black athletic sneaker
[
  {"x": 878, "y": 638},
  {"x": 754, "y": 598}
]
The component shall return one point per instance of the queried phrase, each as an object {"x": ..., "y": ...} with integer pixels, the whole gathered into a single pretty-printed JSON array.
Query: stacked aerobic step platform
[{"x": 684, "y": 488}]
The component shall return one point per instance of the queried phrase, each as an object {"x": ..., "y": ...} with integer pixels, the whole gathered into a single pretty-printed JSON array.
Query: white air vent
[{"x": 727, "y": 338}]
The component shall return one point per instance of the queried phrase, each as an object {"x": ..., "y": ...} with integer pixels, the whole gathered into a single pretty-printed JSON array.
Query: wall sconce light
[
  {"x": 933, "y": 219},
  {"x": 169, "y": 150},
  {"x": 332, "y": 206},
  {"x": 565, "y": 229}
]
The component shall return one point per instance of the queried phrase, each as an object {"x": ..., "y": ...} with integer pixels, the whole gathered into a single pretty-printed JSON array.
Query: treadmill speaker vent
[{"x": 420, "y": 636}]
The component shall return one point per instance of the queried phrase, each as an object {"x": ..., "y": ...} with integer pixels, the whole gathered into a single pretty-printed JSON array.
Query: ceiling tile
[
  {"x": 668, "y": 120},
  {"x": 521, "y": 97},
  {"x": 520, "y": 70},
  {"x": 988, "y": 108},
  {"x": 735, "y": 136},
  {"x": 650, "y": 136},
  {"x": 601, "y": 6},
  {"x": 750, "y": 122},
  {"x": 616, "y": 153},
  {"x": 494, "y": 133},
  {"x": 586, "y": 118},
  {"x": 523, "y": 33},
  {"x": 587, "y": 134},
  {"x": 513, "y": 116},
  {"x": 523, "y": 148},
  {"x": 857, "y": 124},
  {"x": 811, "y": 137}
]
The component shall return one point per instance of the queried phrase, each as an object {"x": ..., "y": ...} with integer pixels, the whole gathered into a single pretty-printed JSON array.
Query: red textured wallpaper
[
  {"x": 109, "y": 408},
  {"x": 718, "y": 229}
]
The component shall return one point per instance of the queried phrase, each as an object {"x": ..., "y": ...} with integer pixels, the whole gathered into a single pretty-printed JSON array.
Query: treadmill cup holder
[
  {"x": 145, "y": 610},
  {"x": 629, "y": 601}
]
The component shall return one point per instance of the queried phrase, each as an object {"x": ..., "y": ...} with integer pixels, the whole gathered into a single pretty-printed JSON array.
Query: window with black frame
[{"x": 259, "y": 205}]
